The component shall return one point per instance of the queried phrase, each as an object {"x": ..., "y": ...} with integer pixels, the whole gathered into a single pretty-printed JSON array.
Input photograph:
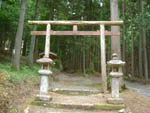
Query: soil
[
  {"x": 13, "y": 96},
  {"x": 136, "y": 102}
]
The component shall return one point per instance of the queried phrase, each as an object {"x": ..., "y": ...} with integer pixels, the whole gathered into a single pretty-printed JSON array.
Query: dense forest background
[{"x": 77, "y": 53}]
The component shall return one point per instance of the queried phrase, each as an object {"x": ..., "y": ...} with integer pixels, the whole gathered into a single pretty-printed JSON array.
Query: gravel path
[
  {"x": 74, "y": 82},
  {"x": 140, "y": 88}
]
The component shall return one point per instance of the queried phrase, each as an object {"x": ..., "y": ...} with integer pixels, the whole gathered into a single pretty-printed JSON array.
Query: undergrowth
[
  {"x": 14, "y": 83},
  {"x": 23, "y": 74}
]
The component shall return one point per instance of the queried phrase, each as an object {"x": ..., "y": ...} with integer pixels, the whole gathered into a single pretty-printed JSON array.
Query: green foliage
[
  {"x": 109, "y": 83},
  {"x": 86, "y": 75},
  {"x": 23, "y": 74},
  {"x": 14, "y": 111},
  {"x": 71, "y": 49},
  {"x": 58, "y": 66}
]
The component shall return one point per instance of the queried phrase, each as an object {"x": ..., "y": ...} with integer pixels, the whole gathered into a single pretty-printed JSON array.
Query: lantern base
[
  {"x": 43, "y": 98},
  {"x": 115, "y": 100}
]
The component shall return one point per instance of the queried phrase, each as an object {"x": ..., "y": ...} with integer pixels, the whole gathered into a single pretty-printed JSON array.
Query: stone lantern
[
  {"x": 115, "y": 74},
  {"x": 45, "y": 71}
]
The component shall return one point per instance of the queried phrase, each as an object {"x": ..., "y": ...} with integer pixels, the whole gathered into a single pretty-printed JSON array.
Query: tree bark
[
  {"x": 132, "y": 62},
  {"x": 124, "y": 36},
  {"x": 36, "y": 52},
  {"x": 140, "y": 65},
  {"x": 24, "y": 46},
  {"x": 16, "y": 59},
  {"x": 140, "y": 57},
  {"x": 115, "y": 41},
  {"x": 84, "y": 56},
  {"x": 11, "y": 45},
  {"x": 0, "y": 3},
  {"x": 32, "y": 44},
  {"x": 144, "y": 41}
]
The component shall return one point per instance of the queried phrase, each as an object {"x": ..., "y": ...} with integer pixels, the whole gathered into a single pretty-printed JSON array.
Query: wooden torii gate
[{"x": 102, "y": 33}]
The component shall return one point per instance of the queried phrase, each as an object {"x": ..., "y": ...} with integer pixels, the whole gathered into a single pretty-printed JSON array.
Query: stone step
[
  {"x": 98, "y": 106},
  {"x": 75, "y": 91},
  {"x": 90, "y": 102},
  {"x": 40, "y": 109},
  {"x": 71, "y": 88}
]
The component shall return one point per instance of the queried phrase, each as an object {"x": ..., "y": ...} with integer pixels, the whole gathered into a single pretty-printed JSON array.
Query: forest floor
[{"x": 17, "y": 95}]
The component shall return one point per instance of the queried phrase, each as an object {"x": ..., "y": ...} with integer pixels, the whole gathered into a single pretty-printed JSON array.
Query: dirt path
[
  {"x": 136, "y": 102},
  {"x": 75, "y": 82},
  {"x": 138, "y": 98},
  {"x": 142, "y": 89}
]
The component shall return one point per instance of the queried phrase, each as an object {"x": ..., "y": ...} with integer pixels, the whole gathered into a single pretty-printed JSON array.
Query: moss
[
  {"x": 99, "y": 106},
  {"x": 46, "y": 104},
  {"x": 109, "y": 107},
  {"x": 98, "y": 85},
  {"x": 37, "y": 103}
]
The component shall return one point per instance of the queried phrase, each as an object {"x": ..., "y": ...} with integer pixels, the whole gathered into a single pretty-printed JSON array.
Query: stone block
[
  {"x": 115, "y": 101},
  {"x": 45, "y": 98}
]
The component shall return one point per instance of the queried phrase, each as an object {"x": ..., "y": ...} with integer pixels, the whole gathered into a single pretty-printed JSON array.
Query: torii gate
[{"x": 75, "y": 31}]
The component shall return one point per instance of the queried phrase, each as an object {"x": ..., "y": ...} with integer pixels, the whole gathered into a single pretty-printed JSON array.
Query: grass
[
  {"x": 23, "y": 74},
  {"x": 109, "y": 107}
]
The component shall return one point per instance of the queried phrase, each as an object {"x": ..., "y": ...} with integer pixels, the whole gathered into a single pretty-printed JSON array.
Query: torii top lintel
[{"x": 113, "y": 23}]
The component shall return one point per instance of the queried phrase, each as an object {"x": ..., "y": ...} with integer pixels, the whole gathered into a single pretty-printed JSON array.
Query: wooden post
[
  {"x": 47, "y": 41},
  {"x": 75, "y": 28},
  {"x": 103, "y": 58}
]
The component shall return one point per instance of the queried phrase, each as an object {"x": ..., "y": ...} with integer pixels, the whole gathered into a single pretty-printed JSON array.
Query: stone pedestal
[
  {"x": 44, "y": 72},
  {"x": 115, "y": 88},
  {"x": 44, "y": 85},
  {"x": 44, "y": 98},
  {"x": 115, "y": 100},
  {"x": 116, "y": 74}
]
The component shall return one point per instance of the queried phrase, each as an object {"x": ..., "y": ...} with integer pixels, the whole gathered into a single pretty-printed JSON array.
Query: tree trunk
[
  {"x": 16, "y": 59},
  {"x": 124, "y": 36},
  {"x": 24, "y": 46},
  {"x": 132, "y": 64},
  {"x": 115, "y": 41},
  {"x": 0, "y": 3},
  {"x": 144, "y": 41},
  {"x": 140, "y": 57},
  {"x": 32, "y": 45},
  {"x": 83, "y": 55},
  {"x": 36, "y": 52},
  {"x": 140, "y": 65},
  {"x": 12, "y": 45}
]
